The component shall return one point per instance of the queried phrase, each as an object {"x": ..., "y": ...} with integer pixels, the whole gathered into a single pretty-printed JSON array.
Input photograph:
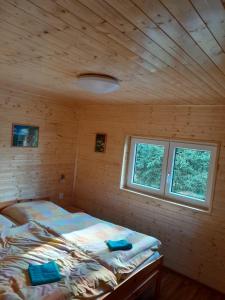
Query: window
[{"x": 181, "y": 172}]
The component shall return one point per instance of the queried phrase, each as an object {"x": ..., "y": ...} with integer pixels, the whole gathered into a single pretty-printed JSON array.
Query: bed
[{"x": 77, "y": 243}]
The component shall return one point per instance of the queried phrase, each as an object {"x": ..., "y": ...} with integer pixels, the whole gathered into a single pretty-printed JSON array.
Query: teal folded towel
[
  {"x": 119, "y": 245},
  {"x": 45, "y": 273}
]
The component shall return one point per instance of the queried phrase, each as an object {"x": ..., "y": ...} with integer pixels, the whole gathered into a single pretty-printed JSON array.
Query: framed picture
[
  {"x": 25, "y": 136},
  {"x": 100, "y": 142}
]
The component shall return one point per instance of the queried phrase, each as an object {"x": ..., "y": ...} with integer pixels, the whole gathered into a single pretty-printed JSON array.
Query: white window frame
[
  {"x": 134, "y": 142},
  {"x": 188, "y": 199},
  {"x": 164, "y": 192}
]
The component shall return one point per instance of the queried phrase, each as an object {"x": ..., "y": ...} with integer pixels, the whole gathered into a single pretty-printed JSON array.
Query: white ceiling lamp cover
[{"x": 98, "y": 83}]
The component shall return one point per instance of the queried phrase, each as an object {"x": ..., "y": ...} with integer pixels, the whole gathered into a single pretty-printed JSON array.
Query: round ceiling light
[{"x": 98, "y": 83}]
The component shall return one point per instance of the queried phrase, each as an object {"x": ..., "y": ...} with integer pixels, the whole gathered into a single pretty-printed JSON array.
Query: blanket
[
  {"x": 83, "y": 276},
  {"x": 90, "y": 234}
]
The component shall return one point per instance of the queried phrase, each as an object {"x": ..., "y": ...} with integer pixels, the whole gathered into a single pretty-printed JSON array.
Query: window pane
[
  {"x": 148, "y": 165},
  {"x": 190, "y": 172}
]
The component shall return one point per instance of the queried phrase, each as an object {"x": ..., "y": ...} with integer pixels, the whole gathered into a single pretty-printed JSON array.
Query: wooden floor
[{"x": 178, "y": 287}]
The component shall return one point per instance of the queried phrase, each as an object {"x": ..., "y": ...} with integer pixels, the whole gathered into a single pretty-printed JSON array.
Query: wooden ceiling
[{"x": 162, "y": 51}]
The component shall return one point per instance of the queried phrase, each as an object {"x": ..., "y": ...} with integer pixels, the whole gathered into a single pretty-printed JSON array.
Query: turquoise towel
[
  {"x": 45, "y": 273},
  {"x": 119, "y": 245}
]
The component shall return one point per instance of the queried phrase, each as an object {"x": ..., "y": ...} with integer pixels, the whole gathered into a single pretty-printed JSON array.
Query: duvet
[
  {"x": 83, "y": 276},
  {"x": 90, "y": 233}
]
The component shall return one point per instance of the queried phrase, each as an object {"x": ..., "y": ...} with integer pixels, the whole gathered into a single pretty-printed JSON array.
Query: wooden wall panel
[
  {"x": 193, "y": 242},
  {"x": 35, "y": 172}
]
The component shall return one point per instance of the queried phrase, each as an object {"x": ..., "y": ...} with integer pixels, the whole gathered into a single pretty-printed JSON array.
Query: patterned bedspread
[
  {"x": 90, "y": 234},
  {"x": 83, "y": 276}
]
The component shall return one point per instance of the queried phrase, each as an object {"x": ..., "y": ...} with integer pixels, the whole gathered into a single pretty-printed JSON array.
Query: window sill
[{"x": 168, "y": 201}]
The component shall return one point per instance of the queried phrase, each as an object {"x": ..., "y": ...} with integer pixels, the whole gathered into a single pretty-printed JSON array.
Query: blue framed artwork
[{"x": 25, "y": 136}]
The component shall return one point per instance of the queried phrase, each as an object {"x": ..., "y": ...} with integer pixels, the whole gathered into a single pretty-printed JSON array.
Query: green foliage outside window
[
  {"x": 148, "y": 165},
  {"x": 190, "y": 171}
]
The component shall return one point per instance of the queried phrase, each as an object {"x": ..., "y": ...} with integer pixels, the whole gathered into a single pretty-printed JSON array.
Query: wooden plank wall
[
  {"x": 35, "y": 172},
  {"x": 193, "y": 242}
]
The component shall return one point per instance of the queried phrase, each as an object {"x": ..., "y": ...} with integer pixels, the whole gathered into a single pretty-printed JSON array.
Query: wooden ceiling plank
[
  {"x": 34, "y": 29},
  {"x": 186, "y": 14},
  {"x": 29, "y": 76},
  {"x": 139, "y": 19},
  {"x": 199, "y": 71},
  {"x": 182, "y": 70},
  {"x": 213, "y": 14},
  {"x": 13, "y": 55},
  {"x": 102, "y": 9},
  {"x": 36, "y": 74},
  {"x": 133, "y": 47},
  {"x": 15, "y": 91},
  {"x": 33, "y": 50},
  {"x": 19, "y": 2},
  {"x": 30, "y": 79},
  {"x": 43, "y": 50},
  {"x": 165, "y": 20},
  {"x": 177, "y": 78},
  {"x": 63, "y": 3},
  {"x": 79, "y": 24},
  {"x": 76, "y": 53},
  {"x": 101, "y": 37},
  {"x": 175, "y": 50},
  {"x": 28, "y": 51},
  {"x": 88, "y": 98},
  {"x": 161, "y": 38},
  {"x": 61, "y": 17},
  {"x": 195, "y": 67}
]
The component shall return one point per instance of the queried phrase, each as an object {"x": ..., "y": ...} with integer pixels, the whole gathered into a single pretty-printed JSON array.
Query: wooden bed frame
[
  {"x": 3, "y": 203},
  {"x": 138, "y": 282}
]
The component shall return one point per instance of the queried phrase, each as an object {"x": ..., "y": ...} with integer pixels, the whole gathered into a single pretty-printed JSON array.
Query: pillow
[
  {"x": 34, "y": 210},
  {"x": 5, "y": 223}
]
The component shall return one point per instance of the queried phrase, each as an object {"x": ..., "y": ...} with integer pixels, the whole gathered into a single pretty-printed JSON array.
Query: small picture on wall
[
  {"x": 25, "y": 136},
  {"x": 100, "y": 142}
]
